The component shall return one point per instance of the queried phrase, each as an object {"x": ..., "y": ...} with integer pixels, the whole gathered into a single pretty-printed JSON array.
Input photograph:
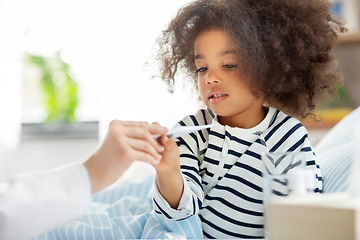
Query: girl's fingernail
[
  {"x": 161, "y": 148},
  {"x": 159, "y": 157}
]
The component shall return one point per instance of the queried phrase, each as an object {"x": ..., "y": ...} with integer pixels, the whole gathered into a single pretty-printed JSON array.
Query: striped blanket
[{"x": 125, "y": 211}]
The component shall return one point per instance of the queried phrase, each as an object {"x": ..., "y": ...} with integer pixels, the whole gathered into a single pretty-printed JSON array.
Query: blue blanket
[{"x": 124, "y": 211}]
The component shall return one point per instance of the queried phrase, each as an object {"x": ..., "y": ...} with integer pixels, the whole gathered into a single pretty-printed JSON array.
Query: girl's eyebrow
[
  {"x": 224, "y": 53},
  {"x": 199, "y": 57}
]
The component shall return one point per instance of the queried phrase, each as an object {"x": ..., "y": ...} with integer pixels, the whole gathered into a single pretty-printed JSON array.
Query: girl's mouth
[{"x": 216, "y": 98}]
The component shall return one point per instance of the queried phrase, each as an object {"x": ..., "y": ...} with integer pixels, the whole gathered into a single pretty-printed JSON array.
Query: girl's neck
[{"x": 247, "y": 121}]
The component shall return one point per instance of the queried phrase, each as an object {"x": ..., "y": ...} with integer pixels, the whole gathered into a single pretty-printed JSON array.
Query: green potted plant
[{"x": 60, "y": 90}]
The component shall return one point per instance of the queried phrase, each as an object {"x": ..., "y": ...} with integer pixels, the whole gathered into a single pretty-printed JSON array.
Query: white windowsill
[{"x": 67, "y": 130}]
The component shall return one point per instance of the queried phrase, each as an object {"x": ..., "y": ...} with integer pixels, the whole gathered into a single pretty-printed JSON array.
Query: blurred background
[{"x": 67, "y": 68}]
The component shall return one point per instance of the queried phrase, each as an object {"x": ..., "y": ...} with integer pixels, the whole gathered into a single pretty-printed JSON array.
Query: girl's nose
[{"x": 211, "y": 79}]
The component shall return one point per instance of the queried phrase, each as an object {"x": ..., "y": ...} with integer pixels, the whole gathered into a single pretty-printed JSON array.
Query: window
[{"x": 106, "y": 43}]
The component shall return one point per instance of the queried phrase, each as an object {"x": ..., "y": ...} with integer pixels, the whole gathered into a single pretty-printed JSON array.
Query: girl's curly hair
[{"x": 284, "y": 47}]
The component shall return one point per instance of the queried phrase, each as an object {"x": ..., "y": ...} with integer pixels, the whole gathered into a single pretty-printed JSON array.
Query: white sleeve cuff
[{"x": 184, "y": 209}]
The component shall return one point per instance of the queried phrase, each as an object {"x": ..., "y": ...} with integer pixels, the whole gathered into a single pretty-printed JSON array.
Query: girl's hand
[
  {"x": 170, "y": 161},
  {"x": 125, "y": 142}
]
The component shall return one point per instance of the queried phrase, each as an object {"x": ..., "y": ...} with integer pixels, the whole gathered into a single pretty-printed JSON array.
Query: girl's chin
[{"x": 218, "y": 112}]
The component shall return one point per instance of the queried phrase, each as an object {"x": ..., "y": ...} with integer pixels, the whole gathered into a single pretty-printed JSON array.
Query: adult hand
[{"x": 125, "y": 142}]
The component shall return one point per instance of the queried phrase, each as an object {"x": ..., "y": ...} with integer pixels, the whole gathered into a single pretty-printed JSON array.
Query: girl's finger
[{"x": 164, "y": 139}]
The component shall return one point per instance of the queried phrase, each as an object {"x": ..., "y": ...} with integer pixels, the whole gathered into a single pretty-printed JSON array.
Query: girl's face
[{"x": 220, "y": 85}]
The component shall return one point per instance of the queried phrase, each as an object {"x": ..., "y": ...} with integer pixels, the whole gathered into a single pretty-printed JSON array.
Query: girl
[{"x": 257, "y": 65}]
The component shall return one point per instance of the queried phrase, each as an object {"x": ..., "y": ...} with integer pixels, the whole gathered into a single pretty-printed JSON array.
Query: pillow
[{"x": 336, "y": 151}]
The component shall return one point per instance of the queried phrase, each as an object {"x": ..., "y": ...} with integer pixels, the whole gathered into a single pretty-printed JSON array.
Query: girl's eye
[
  {"x": 230, "y": 66},
  {"x": 203, "y": 69}
]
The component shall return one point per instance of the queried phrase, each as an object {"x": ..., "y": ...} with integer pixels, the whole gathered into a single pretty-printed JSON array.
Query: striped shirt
[{"x": 222, "y": 171}]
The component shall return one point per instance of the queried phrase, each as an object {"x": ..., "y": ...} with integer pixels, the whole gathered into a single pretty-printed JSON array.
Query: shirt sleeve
[
  {"x": 34, "y": 203},
  {"x": 311, "y": 164},
  {"x": 162, "y": 207},
  {"x": 299, "y": 142},
  {"x": 313, "y": 171},
  {"x": 287, "y": 134},
  {"x": 193, "y": 194}
]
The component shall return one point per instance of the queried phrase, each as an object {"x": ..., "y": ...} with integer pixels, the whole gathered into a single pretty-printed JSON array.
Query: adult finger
[
  {"x": 142, "y": 130},
  {"x": 144, "y": 146},
  {"x": 143, "y": 134},
  {"x": 145, "y": 157},
  {"x": 128, "y": 123},
  {"x": 156, "y": 128}
]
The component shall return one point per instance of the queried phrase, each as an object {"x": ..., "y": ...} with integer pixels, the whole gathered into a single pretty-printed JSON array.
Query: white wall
[{"x": 127, "y": 91}]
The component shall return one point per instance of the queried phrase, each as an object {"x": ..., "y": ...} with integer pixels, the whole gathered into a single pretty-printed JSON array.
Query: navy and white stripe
[{"x": 223, "y": 171}]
